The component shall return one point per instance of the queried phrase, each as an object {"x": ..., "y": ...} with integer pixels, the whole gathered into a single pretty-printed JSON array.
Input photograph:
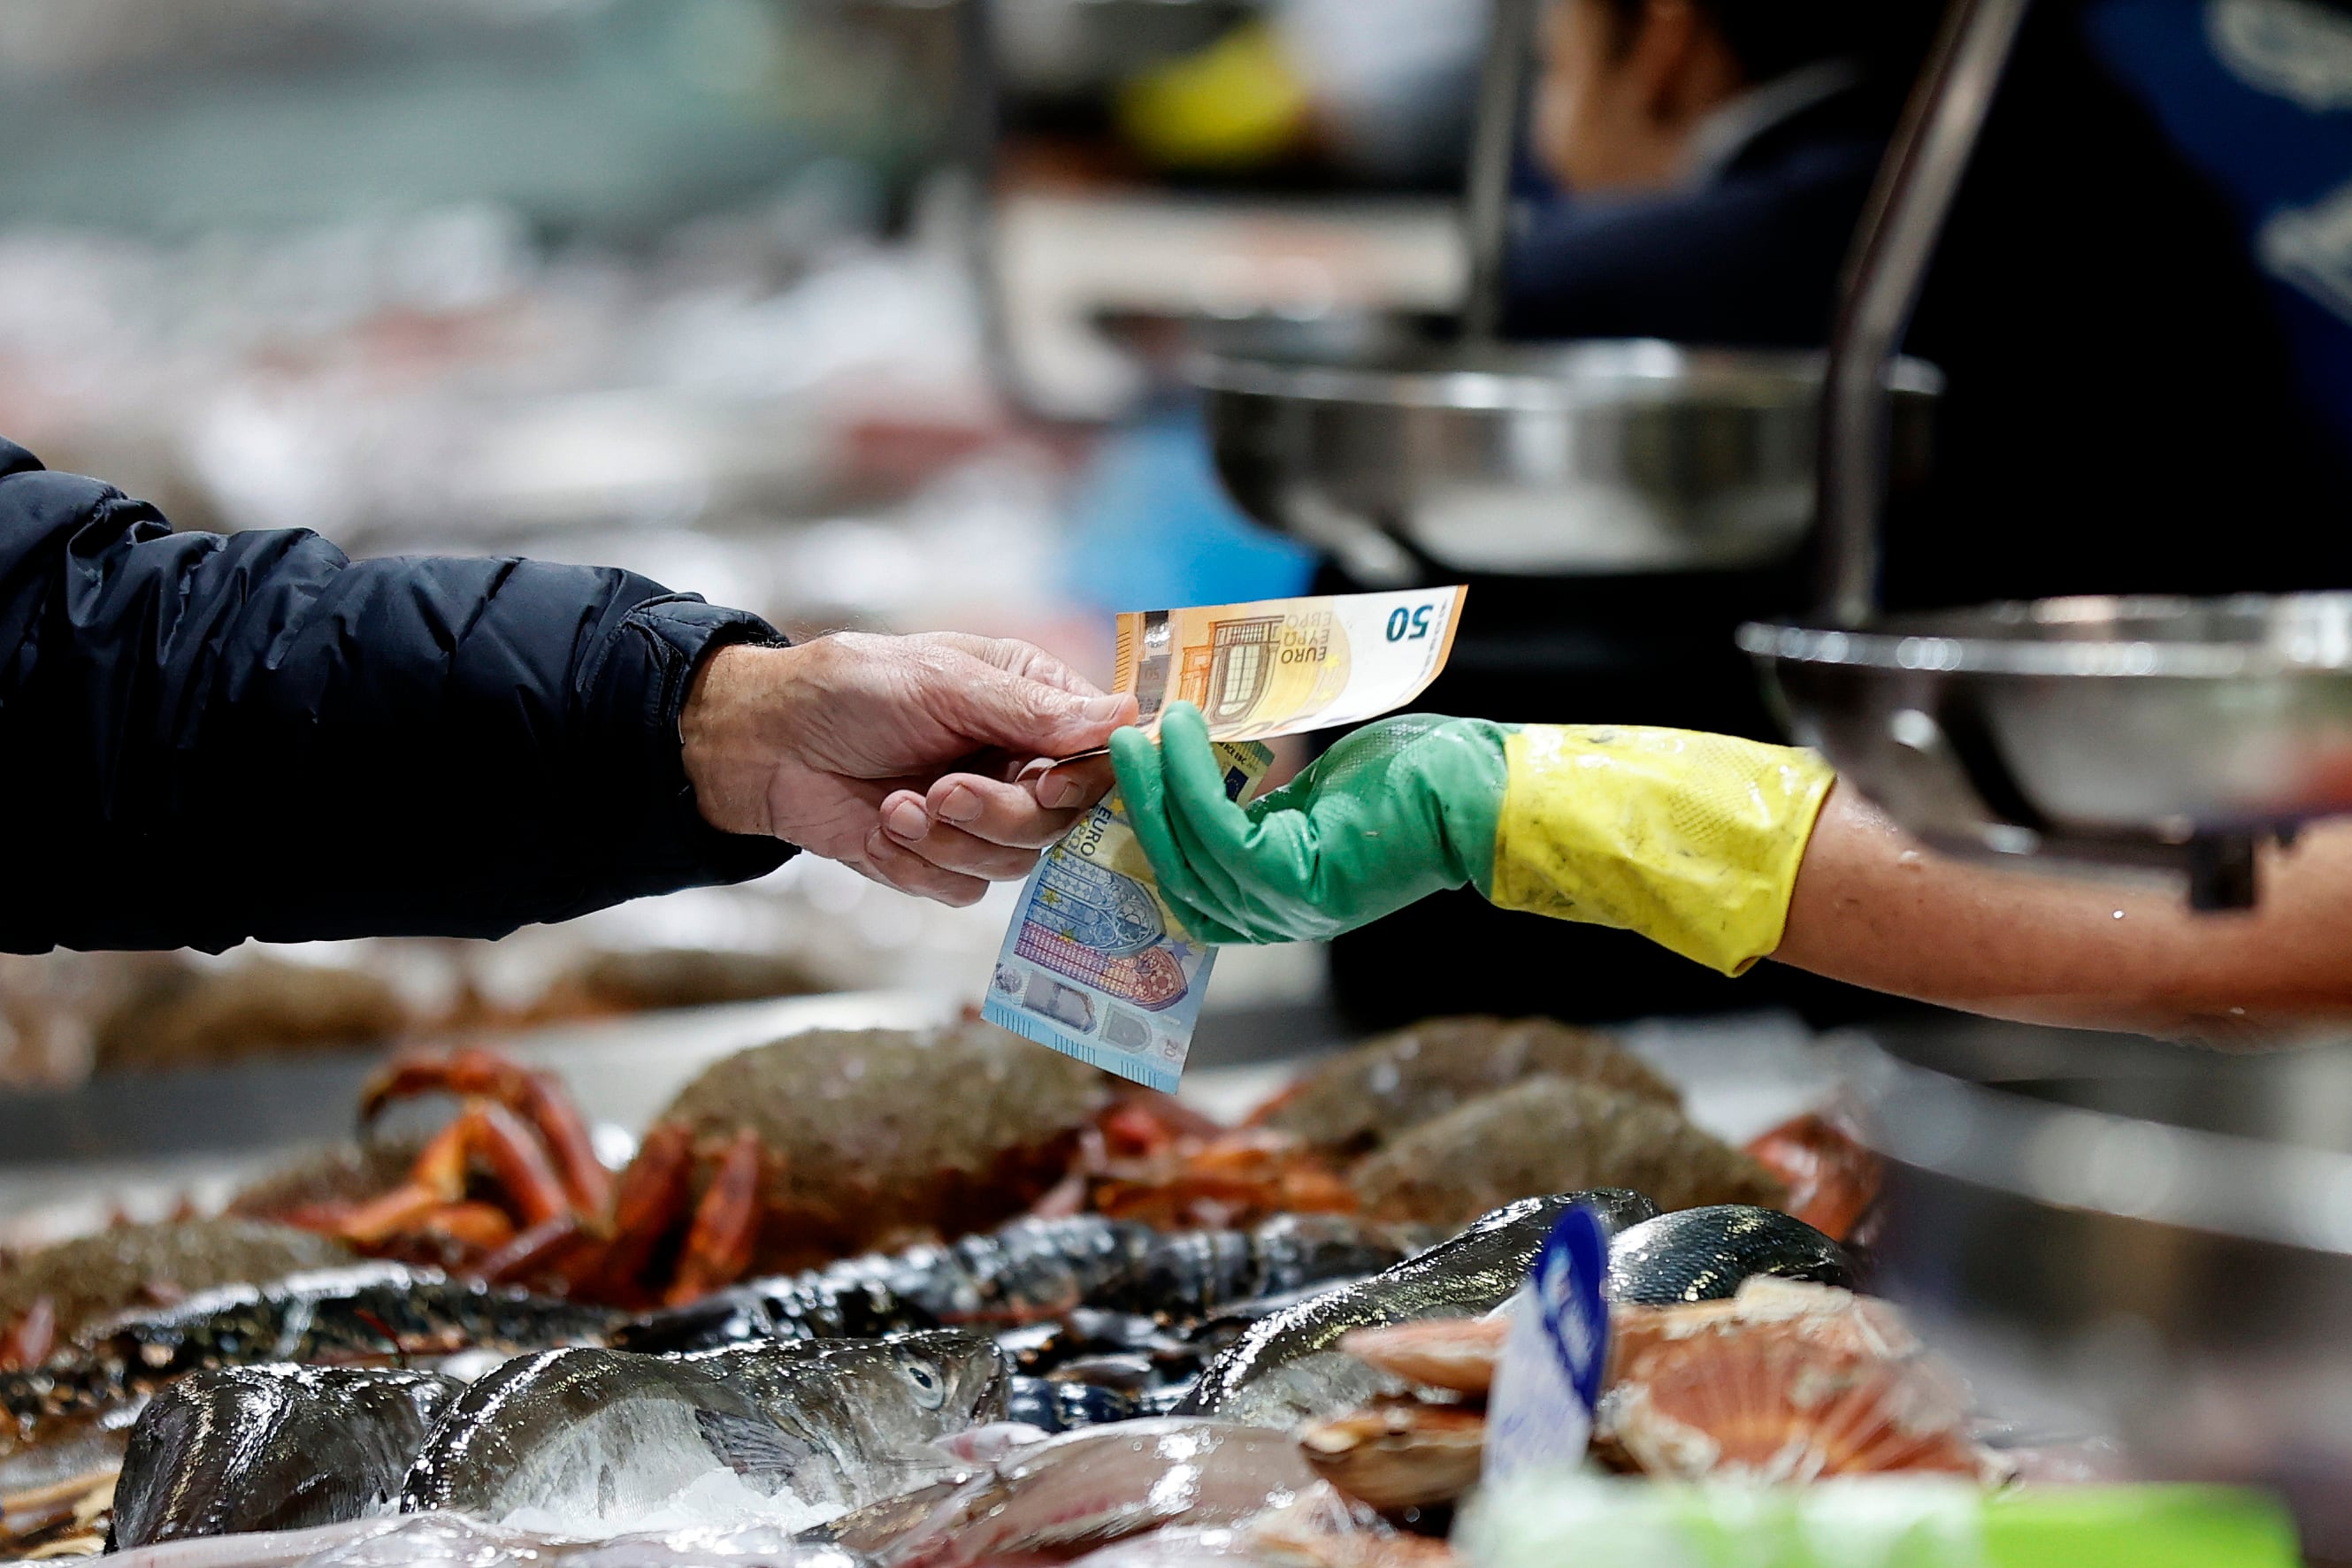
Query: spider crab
[{"x": 778, "y": 1158}]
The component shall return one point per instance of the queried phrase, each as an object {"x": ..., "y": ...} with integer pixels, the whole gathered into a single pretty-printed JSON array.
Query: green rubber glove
[
  {"x": 1694, "y": 840},
  {"x": 1392, "y": 813}
]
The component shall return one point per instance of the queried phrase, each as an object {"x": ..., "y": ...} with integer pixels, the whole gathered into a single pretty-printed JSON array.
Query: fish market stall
[
  {"x": 803, "y": 1223},
  {"x": 746, "y": 1330}
]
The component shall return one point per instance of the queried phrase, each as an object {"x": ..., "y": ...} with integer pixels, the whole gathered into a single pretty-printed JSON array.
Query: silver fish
[
  {"x": 869, "y": 1410},
  {"x": 872, "y": 1531},
  {"x": 1022, "y": 1272},
  {"x": 360, "y": 1313},
  {"x": 272, "y": 1448},
  {"x": 611, "y": 1436},
  {"x": 1054, "y": 1500},
  {"x": 1286, "y": 1369},
  {"x": 454, "y": 1540},
  {"x": 1703, "y": 1254}
]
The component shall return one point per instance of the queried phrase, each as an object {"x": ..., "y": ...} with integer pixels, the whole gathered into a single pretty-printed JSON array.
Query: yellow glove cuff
[{"x": 1692, "y": 839}]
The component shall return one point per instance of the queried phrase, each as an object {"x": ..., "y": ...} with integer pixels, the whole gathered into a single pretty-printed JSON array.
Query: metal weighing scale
[
  {"x": 2158, "y": 1236},
  {"x": 2172, "y": 733}
]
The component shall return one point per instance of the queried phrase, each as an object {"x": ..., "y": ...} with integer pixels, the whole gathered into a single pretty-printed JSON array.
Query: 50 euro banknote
[
  {"x": 1096, "y": 965},
  {"x": 1285, "y": 666}
]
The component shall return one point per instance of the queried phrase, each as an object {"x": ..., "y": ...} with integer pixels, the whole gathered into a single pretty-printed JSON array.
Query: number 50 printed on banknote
[
  {"x": 1283, "y": 667},
  {"x": 1095, "y": 965}
]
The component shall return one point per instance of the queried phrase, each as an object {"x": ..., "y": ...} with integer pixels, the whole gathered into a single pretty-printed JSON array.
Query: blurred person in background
[
  {"x": 211, "y": 739},
  {"x": 2120, "y": 411},
  {"x": 2117, "y": 377},
  {"x": 1714, "y": 156}
]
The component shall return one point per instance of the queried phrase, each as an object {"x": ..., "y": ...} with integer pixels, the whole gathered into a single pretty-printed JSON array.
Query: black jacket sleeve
[{"x": 207, "y": 739}]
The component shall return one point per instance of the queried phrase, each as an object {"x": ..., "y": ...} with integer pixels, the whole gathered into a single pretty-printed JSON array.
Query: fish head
[{"x": 954, "y": 1378}]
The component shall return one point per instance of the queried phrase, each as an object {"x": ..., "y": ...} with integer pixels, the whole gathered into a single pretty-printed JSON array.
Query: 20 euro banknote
[
  {"x": 1095, "y": 965},
  {"x": 1284, "y": 666}
]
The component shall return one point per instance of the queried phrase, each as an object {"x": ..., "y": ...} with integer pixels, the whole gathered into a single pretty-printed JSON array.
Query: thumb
[{"x": 1028, "y": 716}]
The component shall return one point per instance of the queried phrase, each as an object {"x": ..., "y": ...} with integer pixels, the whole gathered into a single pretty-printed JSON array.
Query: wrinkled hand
[{"x": 920, "y": 761}]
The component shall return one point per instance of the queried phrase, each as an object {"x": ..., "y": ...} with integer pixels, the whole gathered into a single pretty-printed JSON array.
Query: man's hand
[{"x": 915, "y": 759}]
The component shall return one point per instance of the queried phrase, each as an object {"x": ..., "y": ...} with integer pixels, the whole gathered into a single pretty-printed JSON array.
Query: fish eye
[{"x": 930, "y": 1388}]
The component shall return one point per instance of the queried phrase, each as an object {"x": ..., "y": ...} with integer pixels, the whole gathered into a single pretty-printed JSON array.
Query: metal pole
[
  {"x": 1493, "y": 151},
  {"x": 1899, "y": 233},
  {"x": 977, "y": 128}
]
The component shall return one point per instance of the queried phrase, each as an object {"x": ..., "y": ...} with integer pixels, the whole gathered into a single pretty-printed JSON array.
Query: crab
[
  {"x": 510, "y": 1190},
  {"x": 50, "y": 1293},
  {"x": 515, "y": 1163},
  {"x": 778, "y": 1158},
  {"x": 1193, "y": 1172}
]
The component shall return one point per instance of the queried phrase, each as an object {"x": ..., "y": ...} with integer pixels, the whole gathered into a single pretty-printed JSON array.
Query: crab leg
[
  {"x": 437, "y": 1180},
  {"x": 481, "y": 1226},
  {"x": 538, "y": 1097},
  {"x": 1144, "y": 1123},
  {"x": 655, "y": 1192},
  {"x": 1833, "y": 1179},
  {"x": 543, "y": 1250},
  {"x": 31, "y": 1337},
  {"x": 726, "y": 1229}
]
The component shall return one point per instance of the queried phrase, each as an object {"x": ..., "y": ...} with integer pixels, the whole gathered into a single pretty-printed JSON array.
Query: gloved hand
[
  {"x": 1393, "y": 813},
  {"x": 1692, "y": 839}
]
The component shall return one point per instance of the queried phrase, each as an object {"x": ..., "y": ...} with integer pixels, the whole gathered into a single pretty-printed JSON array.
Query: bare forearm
[{"x": 1873, "y": 907}]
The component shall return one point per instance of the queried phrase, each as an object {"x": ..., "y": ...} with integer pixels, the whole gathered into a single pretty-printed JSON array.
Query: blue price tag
[{"x": 1541, "y": 1413}]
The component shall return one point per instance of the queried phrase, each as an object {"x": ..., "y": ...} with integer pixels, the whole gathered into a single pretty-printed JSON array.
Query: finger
[
  {"x": 1220, "y": 889},
  {"x": 896, "y": 866},
  {"x": 1214, "y": 834},
  {"x": 1138, "y": 760},
  {"x": 1031, "y": 718},
  {"x": 1204, "y": 928},
  {"x": 951, "y": 849},
  {"x": 1205, "y": 919},
  {"x": 1195, "y": 781},
  {"x": 991, "y": 810},
  {"x": 958, "y": 851},
  {"x": 1068, "y": 788},
  {"x": 1018, "y": 658}
]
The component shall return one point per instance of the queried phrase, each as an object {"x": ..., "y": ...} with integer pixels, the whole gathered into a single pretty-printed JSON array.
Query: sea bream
[{"x": 608, "y": 1436}]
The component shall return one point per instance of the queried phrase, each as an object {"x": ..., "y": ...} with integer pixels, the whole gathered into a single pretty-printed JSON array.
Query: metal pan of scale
[
  {"x": 2168, "y": 731},
  {"x": 2125, "y": 1235},
  {"x": 1411, "y": 456}
]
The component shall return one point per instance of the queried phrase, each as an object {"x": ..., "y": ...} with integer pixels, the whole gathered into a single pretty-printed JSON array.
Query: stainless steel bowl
[
  {"x": 2115, "y": 728},
  {"x": 2138, "y": 1237},
  {"x": 1410, "y": 456}
]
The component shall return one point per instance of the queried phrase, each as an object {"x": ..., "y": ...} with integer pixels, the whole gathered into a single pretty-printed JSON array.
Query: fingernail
[
  {"x": 960, "y": 804},
  {"x": 906, "y": 821},
  {"x": 1102, "y": 710},
  {"x": 1058, "y": 790}
]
